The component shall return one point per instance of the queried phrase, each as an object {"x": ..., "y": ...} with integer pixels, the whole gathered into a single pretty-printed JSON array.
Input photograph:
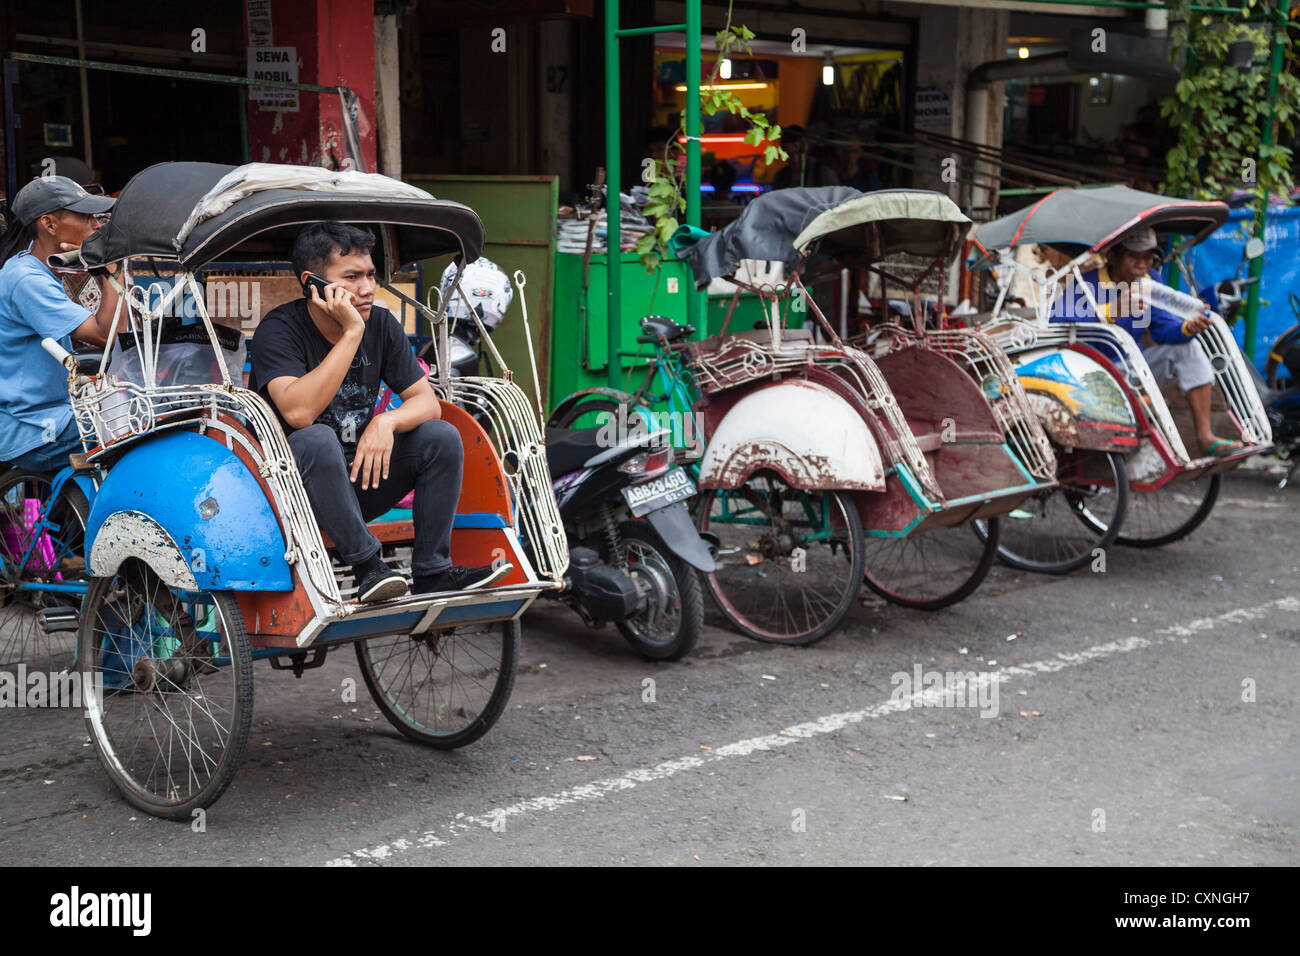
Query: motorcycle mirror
[{"x": 1254, "y": 248}]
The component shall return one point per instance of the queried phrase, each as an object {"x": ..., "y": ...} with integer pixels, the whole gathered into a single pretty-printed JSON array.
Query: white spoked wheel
[
  {"x": 445, "y": 688},
  {"x": 167, "y": 681}
]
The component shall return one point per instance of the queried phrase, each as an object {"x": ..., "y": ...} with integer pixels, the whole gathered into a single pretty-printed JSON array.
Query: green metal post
[
  {"x": 693, "y": 309},
  {"x": 613, "y": 256},
  {"x": 1266, "y": 139}
]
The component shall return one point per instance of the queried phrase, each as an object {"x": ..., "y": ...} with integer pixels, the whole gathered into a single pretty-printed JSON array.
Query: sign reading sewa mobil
[{"x": 280, "y": 65}]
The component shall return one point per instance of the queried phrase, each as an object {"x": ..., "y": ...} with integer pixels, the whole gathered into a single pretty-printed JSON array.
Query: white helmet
[{"x": 486, "y": 288}]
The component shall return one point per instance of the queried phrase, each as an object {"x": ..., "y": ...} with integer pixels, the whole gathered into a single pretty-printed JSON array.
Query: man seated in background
[
  {"x": 1172, "y": 354},
  {"x": 319, "y": 362}
]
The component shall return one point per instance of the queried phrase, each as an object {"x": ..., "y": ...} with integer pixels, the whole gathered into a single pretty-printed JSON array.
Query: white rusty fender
[
  {"x": 132, "y": 534},
  {"x": 801, "y": 429}
]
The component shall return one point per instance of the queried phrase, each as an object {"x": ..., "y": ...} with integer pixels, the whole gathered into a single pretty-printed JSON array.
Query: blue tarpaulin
[{"x": 1219, "y": 257}]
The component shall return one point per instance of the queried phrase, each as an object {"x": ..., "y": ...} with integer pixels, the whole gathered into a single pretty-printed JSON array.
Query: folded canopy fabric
[
  {"x": 244, "y": 181},
  {"x": 765, "y": 230},
  {"x": 159, "y": 201}
]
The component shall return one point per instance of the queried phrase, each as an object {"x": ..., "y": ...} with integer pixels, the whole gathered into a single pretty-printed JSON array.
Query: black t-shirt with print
[{"x": 288, "y": 343}]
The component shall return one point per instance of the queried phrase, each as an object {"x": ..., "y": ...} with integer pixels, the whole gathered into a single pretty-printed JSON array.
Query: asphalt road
[{"x": 1120, "y": 736}]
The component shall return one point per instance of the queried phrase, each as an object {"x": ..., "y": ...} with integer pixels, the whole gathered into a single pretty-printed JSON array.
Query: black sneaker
[
  {"x": 376, "y": 581},
  {"x": 456, "y": 578}
]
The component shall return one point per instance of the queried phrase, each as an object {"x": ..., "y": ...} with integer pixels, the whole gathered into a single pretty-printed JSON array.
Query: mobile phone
[{"x": 315, "y": 281}]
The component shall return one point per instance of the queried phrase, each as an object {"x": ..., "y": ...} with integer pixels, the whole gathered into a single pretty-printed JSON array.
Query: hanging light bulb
[
  {"x": 828, "y": 71},
  {"x": 1023, "y": 52},
  {"x": 724, "y": 69}
]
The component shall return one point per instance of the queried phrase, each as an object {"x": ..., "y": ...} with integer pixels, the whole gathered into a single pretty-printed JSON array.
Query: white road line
[{"x": 391, "y": 851}]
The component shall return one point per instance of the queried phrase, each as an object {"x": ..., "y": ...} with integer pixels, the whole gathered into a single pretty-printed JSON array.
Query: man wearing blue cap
[{"x": 53, "y": 214}]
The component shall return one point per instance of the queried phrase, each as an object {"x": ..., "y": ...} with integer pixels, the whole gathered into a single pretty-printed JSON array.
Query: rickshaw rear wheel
[
  {"x": 1063, "y": 529},
  {"x": 59, "y": 560},
  {"x": 906, "y": 571},
  {"x": 443, "y": 689},
  {"x": 166, "y": 678},
  {"x": 761, "y": 586},
  {"x": 1151, "y": 514}
]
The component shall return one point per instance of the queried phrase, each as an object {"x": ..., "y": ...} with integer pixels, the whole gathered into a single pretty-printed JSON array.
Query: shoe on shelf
[
  {"x": 376, "y": 581},
  {"x": 456, "y": 578}
]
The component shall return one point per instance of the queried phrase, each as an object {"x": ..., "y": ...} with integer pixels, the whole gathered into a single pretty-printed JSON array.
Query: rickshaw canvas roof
[
  {"x": 886, "y": 222},
  {"x": 765, "y": 230},
  {"x": 159, "y": 202},
  {"x": 1094, "y": 219}
]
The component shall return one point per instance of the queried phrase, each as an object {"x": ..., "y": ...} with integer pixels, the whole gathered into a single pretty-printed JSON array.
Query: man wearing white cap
[
  {"x": 1171, "y": 353},
  {"x": 54, "y": 214}
]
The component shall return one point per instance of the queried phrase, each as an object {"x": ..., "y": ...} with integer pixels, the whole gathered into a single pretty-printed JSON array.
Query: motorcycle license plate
[{"x": 660, "y": 492}]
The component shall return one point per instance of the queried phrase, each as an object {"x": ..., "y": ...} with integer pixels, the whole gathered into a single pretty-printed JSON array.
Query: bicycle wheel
[
  {"x": 167, "y": 680},
  {"x": 42, "y": 569},
  {"x": 790, "y": 561},
  {"x": 1161, "y": 517},
  {"x": 931, "y": 570},
  {"x": 1057, "y": 531},
  {"x": 444, "y": 689}
]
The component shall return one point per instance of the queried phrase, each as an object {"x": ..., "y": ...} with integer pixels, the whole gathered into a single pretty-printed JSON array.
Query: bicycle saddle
[{"x": 657, "y": 325}]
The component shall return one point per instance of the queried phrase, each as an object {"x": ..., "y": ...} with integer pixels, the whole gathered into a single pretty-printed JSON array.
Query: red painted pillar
[{"x": 334, "y": 42}]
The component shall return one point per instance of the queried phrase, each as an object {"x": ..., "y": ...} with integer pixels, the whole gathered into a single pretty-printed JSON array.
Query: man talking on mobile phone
[{"x": 319, "y": 362}]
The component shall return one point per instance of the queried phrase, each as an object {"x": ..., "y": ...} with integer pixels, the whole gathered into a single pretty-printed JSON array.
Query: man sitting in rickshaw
[
  {"x": 319, "y": 362},
  {"x": 52, "y": 214},
  {"x": 1171, "y": 354}
]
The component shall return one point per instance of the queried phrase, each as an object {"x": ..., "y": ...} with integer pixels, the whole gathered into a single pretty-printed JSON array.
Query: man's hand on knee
[{"x": 374, "y": 452}]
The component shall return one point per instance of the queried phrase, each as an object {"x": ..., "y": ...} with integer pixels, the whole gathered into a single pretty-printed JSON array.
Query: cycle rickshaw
[
  {"x": 202, "y": 550},
  {"x": 1126, "y": 472},
  {"x": 809, "y": 441}
]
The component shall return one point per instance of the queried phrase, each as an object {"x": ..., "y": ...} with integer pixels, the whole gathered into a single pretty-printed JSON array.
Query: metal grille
[
  {"x": 1116, "y": 344},
  {"x": 738, "y": 361},
  {"x": 517, "y": 435},
  {"x": 110, "y": 414},
  {"x": 989, "y": 366}
]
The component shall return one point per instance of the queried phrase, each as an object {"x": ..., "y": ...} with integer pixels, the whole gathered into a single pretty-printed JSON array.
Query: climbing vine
[
  {"x": 1219, "y": 111},
  {"x": 666, "y": 175}
]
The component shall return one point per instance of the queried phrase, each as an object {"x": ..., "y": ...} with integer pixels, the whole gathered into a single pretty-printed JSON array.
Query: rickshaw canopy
[
  {"x": 195, "y": 213},
  {"x": 1094, "y": 219},
  {"x": 766, "y": 230},
  {"x": 885, "y": 223}
]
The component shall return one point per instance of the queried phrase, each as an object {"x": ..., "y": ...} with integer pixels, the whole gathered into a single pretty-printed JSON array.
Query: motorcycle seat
[
  {"x": 656, "y": 326},
  {"x": 567, "y": 449}
]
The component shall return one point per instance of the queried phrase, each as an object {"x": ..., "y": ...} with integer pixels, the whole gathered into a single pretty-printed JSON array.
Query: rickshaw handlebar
[{"x": 57, "y": 350}]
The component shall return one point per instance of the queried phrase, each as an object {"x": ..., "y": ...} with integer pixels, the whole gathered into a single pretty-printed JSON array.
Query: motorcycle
[{"x": 634, "y": 549}]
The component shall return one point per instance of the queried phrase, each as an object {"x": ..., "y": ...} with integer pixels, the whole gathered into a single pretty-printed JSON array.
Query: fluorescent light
[
  {"x": 724, "y": 69},
  {"x": 1024, "y": 52},
  {"x": 681, "y": 87},
  {"x": 718, "y": 138},
  {"x": 828, "y": 74}
]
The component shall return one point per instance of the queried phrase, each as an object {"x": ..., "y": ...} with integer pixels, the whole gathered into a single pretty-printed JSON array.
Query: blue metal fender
[{"x": 185, "y": 493}]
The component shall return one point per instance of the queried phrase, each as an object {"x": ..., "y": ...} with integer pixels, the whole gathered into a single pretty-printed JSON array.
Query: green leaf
[
  {"x": 645, "y": 243},
  {"x": 770, "y": 154}
]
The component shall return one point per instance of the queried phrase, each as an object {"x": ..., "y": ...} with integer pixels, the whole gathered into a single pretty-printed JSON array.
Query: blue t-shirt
[
  {"x": 34, "y": 404},
  {"x": 1072, "y": 306}
]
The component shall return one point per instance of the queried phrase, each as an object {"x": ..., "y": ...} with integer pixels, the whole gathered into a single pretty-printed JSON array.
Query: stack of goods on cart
[{"x": 573, "y": 223}]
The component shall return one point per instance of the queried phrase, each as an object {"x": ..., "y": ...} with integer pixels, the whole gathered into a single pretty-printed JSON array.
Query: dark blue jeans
[
  {"x": 427, "y": 459},
  {"x": 54, "y": 456}
]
